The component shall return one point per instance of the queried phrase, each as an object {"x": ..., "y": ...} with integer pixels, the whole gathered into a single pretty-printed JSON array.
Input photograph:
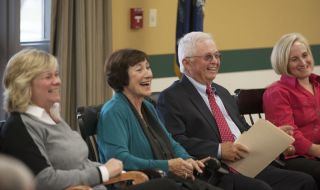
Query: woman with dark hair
[{"x": 129, "y": 127}]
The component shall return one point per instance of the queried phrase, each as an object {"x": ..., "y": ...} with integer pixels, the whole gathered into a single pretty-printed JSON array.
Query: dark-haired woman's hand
[
  {"x": 181, "y": 168},
  {"x": 197, "y": 165}
]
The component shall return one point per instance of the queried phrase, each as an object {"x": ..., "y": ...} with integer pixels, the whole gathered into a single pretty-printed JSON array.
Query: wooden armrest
[
  {"x": 79, "y": 187},
  {"x": 134, "y": 176},
  {"x": 153, "y": 173}
]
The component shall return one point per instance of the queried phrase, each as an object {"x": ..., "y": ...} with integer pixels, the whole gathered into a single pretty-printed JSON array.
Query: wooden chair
[
  {"x": 2, "y": 122},
  {"x": 250, "y": 102},
  {"x": 135, "y": 177},
  {"x": 87, "y": 121},
  {"x": 79, "y": 187}
]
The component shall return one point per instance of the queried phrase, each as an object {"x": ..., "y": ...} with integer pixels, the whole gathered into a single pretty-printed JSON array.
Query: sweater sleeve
[{"x": 24, "y": 149}]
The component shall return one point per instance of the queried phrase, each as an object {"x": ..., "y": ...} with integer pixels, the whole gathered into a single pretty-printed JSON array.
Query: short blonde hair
[
  {"x": 19, "y": 73},
  {"x": 281, "y": 52}
]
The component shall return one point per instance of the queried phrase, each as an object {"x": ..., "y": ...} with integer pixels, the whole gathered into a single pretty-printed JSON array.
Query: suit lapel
[{"x": 196, "y": 99}]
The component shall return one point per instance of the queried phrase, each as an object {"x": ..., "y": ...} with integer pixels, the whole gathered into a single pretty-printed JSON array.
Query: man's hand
[{"x": 232, "y": 151}]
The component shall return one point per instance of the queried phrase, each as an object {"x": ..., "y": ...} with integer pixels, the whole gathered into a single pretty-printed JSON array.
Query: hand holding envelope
[
  {"x": 233, "y": 151},
  {"x": 264, "y": 142}
]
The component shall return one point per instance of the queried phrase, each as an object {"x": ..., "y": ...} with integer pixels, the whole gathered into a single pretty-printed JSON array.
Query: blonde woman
[{"x": 295, "y": 100}]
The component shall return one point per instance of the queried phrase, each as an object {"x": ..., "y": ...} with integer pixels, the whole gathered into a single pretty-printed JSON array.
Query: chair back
[
  {"x": 2, "y": 122},
  {"x": 153, "y": 98},
  {"x": 250, "y": 102},
  {"x": 88, "y": 117}
]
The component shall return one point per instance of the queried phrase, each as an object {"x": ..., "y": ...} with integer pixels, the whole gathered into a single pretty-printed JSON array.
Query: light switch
[{"x": 152, "y": 17}]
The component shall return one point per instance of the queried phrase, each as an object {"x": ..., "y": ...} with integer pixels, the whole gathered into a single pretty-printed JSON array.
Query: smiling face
[
  {"x": 300, "y": 61},
  {"x": 45, "y": 89},
  {"x": 140, "y": 77},
  {"x": 200, "y": 68}
]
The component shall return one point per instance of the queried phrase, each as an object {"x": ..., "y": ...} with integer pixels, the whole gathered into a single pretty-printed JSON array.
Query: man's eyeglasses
[{"x": 208, "y": 57}]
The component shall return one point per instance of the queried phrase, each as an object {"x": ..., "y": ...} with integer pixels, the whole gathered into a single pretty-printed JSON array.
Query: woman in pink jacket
[{"x": 295, "y": 100}]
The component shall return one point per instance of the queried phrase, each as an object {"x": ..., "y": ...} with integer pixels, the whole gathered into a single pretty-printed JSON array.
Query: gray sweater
[{"x": 57, "y": 155}]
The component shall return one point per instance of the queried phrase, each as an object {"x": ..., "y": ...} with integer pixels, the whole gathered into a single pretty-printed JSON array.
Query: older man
[{"x": 204, "y": 118}]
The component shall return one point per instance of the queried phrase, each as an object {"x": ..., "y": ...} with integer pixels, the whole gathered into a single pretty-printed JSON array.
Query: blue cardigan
[{"x": 120, "y": 136}]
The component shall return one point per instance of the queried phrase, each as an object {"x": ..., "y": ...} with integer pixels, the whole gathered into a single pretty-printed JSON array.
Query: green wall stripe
[
  {"x": 232, "y": 61},
  {"x": 162, "y": 65}
]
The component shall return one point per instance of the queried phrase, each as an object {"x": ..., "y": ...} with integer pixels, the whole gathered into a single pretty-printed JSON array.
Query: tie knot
[{"x": 209, "y": 90}]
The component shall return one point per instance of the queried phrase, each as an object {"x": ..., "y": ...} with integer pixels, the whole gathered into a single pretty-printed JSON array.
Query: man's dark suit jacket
[{"x": 189, "y": 119}]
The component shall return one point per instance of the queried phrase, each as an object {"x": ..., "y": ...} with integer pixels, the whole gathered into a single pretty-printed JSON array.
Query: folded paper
[{"x": 265, "y": 142}]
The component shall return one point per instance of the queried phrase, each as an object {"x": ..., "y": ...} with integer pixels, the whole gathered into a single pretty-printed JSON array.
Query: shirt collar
[
  {"x": 290, "y": 80},
  {"x": 200, "y": 87},
  {"x": 40, "y": 113}
]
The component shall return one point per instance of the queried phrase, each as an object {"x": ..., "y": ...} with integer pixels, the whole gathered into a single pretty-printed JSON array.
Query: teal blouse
[{"x": 120, "y": 136}]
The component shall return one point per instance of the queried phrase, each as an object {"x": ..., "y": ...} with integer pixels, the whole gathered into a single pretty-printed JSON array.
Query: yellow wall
[
  {"x": 152, "y": 40},
  {"x": 234, "y": 24},
  {"x": 254, "y": 23}
]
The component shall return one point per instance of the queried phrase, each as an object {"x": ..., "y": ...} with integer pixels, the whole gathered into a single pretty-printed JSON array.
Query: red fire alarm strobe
[{"x": 136, "y": 18}]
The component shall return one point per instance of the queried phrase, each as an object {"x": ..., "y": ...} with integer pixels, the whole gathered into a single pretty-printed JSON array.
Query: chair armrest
[
  {"x": 134, "y": 176},
  {"x": 79, "y": 187},
  {"x": 153, "y": 173}
]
